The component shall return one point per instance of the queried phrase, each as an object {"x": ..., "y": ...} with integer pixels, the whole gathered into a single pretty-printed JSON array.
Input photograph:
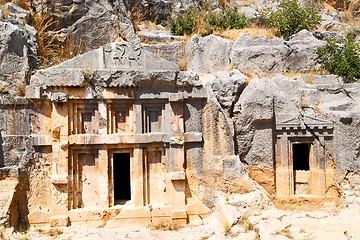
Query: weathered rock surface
[
  {"x": 251, "y": 11},
  {"x": 208, "y": 54},
  {"x": 174, "y": 52},
  {"x": 18, "y": 46},
  {"x": 227, "y": 87},
  {"x": 157, "y": 36},
  {"x": 8, "y": 208},
  {"x": 18, "y": 12},
  {"x": 159, "y": 11},
  {"x": 269, "y": 56},
  {"x": 89, "y": 23}
]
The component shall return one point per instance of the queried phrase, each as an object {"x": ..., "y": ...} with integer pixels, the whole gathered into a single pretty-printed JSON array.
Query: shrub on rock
[
  {"x": 205, "y": 22},
  {"x": 341, "y": 58},
  {"x": 290, "y": 17}
]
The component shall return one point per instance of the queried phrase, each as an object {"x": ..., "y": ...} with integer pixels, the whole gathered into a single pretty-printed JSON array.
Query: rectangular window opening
[
  {"x": 301, "y": 159},
  {"x": 121, "y": 173}
]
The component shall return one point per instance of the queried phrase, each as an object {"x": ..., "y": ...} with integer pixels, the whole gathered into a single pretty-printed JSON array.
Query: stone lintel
[
  {"x": 175, "y": 97},
  {"x": 193, "y": 137},
  {"x": 176, "y": 176},
  {"x": 42, "y": 140},
  {"x": 123, "y": 138},
  {"x": 59, "y": 179}
]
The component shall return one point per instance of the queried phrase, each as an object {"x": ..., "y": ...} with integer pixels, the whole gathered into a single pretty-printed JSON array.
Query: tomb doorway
[
  {"x": 302, "y": 156},
  {"x": 122, "y": 179}
]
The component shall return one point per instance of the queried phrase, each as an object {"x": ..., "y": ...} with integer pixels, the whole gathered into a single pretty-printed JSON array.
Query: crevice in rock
[{"x": 231, "y": 115}]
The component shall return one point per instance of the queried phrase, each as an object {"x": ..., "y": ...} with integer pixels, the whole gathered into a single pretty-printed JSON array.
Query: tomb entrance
[{"x": 302, "y": 154}]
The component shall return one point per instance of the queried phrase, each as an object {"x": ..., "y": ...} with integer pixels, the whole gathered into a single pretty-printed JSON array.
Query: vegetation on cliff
[
  {"x": 290, "y": 17},
  {"x": 341, "y": 58},
  {"x": 206, "y": 21}
]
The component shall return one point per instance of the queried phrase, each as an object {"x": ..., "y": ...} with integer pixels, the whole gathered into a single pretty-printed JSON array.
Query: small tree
[
  {"x": 342, "y": 59},
  {"x": 289, "y": 17}
]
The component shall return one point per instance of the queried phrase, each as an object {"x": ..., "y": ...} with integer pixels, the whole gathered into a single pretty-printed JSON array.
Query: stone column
[
  {"x": 176, "y": 186},
  {"x": 283, "y": 167},
  {"x": 60, "y": 146}
]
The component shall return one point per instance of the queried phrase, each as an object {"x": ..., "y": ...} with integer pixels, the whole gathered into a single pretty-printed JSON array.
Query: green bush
[
  {"x": 341, "y": 59},
  {"x": 184, "y": 23},
  {"x": 206, "y": 21},
  {"x": 289, "y": 17}
]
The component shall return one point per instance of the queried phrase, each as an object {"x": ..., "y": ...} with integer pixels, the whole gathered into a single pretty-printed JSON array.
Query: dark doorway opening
[
  {"x": 301, "y": 154},
  {"x": 122, "y": 183}
]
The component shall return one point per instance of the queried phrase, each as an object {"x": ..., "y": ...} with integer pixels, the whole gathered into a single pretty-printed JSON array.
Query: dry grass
[
  {"x": 137, "y": 15},
  {"x": 318, "y": 72},
  {"x": 3, "y": 89},
  {"x": 51, "y": 51},
  {"x": 25, "y": 4},
  {"x": 166, "y": 226},
  {"x": 318, "y": 110},
  {"x": 224, "y": 2},
  {"x": 183, "y": 58},
  {"x": 353, "y": 6},
  {"x": 328, "y": 7},
  {"x": 46, "y": 42},
  {"x": 233, "y": 34},
  {"x": 180, "y": 39},
  {"x": 4, "y": 11},
  {"x": 149, "y": 25}
]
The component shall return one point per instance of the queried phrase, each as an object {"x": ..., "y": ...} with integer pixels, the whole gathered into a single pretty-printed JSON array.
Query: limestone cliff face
[{"x": 89, "y": 23}]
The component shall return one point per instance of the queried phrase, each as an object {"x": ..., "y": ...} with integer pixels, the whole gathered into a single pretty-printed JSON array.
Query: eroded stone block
[{"x": 62, "y": 221}]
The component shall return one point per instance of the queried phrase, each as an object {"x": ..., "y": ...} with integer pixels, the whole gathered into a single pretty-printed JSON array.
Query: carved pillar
[
  {"x": 177, "y": 155},
  {"x": 317, "y": 170},
  {"x": 284, "y": 173},
  {"x": 137, "y": 178},
  {"x": 60, "y": 146}
]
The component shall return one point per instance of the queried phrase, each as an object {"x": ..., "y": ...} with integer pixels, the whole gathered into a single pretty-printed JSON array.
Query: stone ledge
[{"x": 175, "y": 176}]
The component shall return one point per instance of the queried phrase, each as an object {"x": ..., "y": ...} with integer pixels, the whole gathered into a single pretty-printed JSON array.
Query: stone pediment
[
  {"x": 288, "y": 122},
  {"x": 118, "y": 55},
  {"x": 118, "y": 63}
]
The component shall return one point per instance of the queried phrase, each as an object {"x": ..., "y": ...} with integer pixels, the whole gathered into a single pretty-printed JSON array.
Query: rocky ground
[
  {"x": 248, "y": 216},
  {"x": 269, "y": 223}
]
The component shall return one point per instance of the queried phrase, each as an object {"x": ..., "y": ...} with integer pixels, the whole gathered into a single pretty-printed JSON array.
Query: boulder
[
  {"x": 208, "y": 54},
  {"x": 323, "y": 35},
  {"x": 251, "y": 11},
  {"x": 18, "y": 12},
  {"x": 18, "y": 46},
  {"x": 331, "y": 22},
  {"x": 270, "y": 56},
  {"x": 90, "y": 23}
]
